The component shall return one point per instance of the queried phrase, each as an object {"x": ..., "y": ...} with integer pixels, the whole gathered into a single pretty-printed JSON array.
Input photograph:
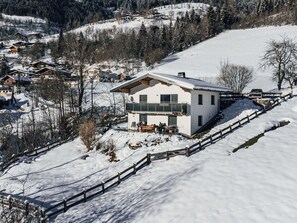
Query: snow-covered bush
[{"x": 87, "y": 132}]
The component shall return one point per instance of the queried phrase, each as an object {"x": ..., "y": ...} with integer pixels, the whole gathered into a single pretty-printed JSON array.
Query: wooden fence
[
  {"x": 27, "y": 208},
  {"x": 96, "y": 190},
  {"x": 102, "y": 187},
  {"x": 49, "y": 146},
  {"x": 112, "y": 182},
  {"x": 37, "y": 151}
]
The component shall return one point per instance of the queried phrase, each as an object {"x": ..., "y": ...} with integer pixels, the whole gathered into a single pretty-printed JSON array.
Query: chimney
[{"x": 181, "y": 74}]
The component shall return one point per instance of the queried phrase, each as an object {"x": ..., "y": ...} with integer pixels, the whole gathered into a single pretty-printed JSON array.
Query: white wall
[
  {"x": 155, "y": 89},
  {"x": 207, "y": 110},
  {"x": 187, "y": 124},
  {"x": 153, "y": 92}
]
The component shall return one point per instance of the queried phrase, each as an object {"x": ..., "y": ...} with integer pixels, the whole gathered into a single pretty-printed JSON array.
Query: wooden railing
[
  {"x": 37, "y": 151},
  {"x": 98, "y": 189},
  {"x": 24, "y": 206},
  {"x": 49, "y": 146},
  {"x": 108, "y": 184}
]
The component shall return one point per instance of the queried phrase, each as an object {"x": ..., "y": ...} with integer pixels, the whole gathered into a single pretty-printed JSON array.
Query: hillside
[
  {"x": 253, "y": 185},
  {"x": 244, "y": 47}
]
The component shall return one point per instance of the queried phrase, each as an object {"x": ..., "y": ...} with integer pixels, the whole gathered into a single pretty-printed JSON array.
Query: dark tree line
[
  {"x": 66, "y": 13},
  {"x": 150, "y": 43}
]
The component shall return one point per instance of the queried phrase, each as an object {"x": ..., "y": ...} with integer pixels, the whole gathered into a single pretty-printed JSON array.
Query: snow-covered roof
[
  {"x": 20, "y": 78},
  {"x": 184, "y": 82}
]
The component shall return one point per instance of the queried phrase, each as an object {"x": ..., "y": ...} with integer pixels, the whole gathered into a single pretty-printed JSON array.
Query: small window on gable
[
  {"x": 200, "y": 99},
  {"x": 213, "y": 100},
  {"x": 142, "y": 98}
]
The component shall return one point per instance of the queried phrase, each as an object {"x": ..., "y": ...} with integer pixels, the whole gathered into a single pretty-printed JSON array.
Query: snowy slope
[
  {"x": 176, "y": 10},
  {"x": 253, "y": 185},
  {"x": 62, "y": 173},
  {"x": 23, "y": 19},
  {"x": 245, "y": 47}
]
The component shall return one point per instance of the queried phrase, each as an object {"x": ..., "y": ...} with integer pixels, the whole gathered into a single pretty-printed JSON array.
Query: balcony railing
[{"x": 181, "y": 108}]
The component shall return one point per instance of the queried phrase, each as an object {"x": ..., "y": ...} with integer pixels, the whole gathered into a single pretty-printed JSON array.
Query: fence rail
[
  {"x": 24, "y": 206},
  {"x": 49, "y": 146},
  {"x": 98, "y": 189},
  {"x": 37, "y": 151},
  {"x": 106, "y": 185}
]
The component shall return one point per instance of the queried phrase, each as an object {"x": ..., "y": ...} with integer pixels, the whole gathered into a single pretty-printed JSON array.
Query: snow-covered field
[
  {"x": 62, "y": 173},
  {"x": 23, "y": 19},
  {"x": 257, "y": 184},
  {"x": 177, "y": 10},
  {"x": 173, "y": 11},
  {"x": 243, "y": 47}
]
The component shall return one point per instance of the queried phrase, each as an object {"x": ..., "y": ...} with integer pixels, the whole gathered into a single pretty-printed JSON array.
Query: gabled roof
[
  {"x": 184, "y": 82},
  {"x": 16, "y": 78}
]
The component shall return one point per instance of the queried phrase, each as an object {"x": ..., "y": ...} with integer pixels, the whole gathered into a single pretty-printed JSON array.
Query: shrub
[{"x": 87, "y": 132}]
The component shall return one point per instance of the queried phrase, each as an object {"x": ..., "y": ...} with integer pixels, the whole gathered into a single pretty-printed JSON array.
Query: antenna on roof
[{"x": 181, "y": 74}]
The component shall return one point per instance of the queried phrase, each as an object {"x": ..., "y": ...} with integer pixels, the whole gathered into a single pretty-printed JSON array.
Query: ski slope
[{"x": 243, "y": 47}]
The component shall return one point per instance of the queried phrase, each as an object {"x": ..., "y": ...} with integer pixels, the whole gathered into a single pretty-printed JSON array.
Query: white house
[{"x": 186, "y": 103}]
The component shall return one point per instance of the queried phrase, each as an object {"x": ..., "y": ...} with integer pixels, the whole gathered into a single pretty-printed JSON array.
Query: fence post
[
  {"x": 119, "y": 178},
  {"x": 187, "y": 151},
  {"x": 230, "y": 126},
  {"x": 9, "y": 202},
  {"x": 167, "y": 155},
  {"x": 48, "y": 146},
  {"x": 200, "y": 147},
  {"x": 211, "y": 141},
  {"x": 42, "y": 214},
  {"x": 239, "y": 122},
  {"x": 256, "y": 113},
  {"x": 148, "y": 157},
  {"x": 248, "y": 118},
  {"x": 65, "y": 204},
  {"x": 26, "y": 207},
  {"x": 221, "y": 133},
  {"x": 134, "y": 168},
  {"x": 103, "y": 188},
  {"x": 85, "y": 196}
]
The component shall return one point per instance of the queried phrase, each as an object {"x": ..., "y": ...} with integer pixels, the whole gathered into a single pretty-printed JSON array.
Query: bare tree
[
  {"x": 279, "y": 55},
  {"x": 78, "y": 51},
  {"x": 236, "y": 77},
  {"x": 291, "y": 73}
]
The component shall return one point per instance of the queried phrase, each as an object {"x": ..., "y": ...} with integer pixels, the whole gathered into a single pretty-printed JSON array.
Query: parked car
[{"x": 256, "y": 93}]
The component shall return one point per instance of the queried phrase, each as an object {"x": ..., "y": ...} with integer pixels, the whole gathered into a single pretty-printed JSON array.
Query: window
[
  {"x": 142, "y": 98},
  {"x": 172, "y": 120},
  {"x": 168, "y": 98},
  {"x": 200, "y": 120},
  {"x": 143, "y": 118},
  {"x": 200, "y": 99},
  {"x": 212, "y": 100}
]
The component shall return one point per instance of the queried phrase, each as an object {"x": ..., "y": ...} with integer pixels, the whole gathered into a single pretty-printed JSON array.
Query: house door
[{"x": 172, "y": 121}]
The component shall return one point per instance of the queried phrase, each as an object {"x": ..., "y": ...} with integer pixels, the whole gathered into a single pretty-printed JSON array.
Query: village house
[
  {"x": 41, "y": 64},
  {"x": 51, "y": 73},
  {"x": 13, "y": 80},
  {"x": 187, "y": 104},
  {"x": 91, "y": 73},
  {"x": 5, "y": 90},
  {"x": 18, "y": 46}
]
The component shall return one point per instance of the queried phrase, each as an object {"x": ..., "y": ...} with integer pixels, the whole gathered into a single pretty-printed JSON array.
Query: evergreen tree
[{"x": 4, "y": 68}]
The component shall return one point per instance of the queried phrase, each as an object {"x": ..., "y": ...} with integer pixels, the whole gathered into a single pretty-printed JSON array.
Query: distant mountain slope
[
  {"x": 68, "y": 13},
  {"x": 244, "y": 47},
  {"x": 73, "y": 13}
]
